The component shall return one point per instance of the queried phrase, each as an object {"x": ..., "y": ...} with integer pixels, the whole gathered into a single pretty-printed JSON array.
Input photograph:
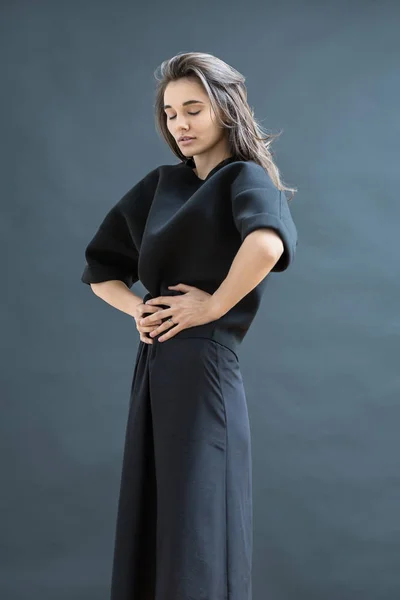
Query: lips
[{"x": 186, "y": 137}]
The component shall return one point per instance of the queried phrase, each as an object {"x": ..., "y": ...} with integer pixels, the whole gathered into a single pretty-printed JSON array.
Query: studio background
[{"x": 320, "y": 362}]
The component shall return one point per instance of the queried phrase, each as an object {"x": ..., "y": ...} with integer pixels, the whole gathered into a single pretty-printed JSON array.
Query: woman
[{"x": 201, "y": 235}]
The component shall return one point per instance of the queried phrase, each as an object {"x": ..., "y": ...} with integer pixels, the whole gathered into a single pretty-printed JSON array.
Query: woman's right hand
[{"x": 142, "y": 310}]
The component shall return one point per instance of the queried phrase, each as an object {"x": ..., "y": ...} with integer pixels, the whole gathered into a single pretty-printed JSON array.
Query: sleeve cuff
[
  {"x": 97, "y": 274},
  {"x": 261, "y": 220}
]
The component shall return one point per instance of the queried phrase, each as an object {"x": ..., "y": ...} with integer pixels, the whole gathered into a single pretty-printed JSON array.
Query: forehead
[{"x": 184, "y": 93}]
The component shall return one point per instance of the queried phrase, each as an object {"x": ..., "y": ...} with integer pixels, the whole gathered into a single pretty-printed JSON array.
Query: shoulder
[
  {"x": 146, "y": 185},
  {"x": 133, "y": 206},
  {"x": 139, "y": 197},
  {"x": 247, "y": 174}
]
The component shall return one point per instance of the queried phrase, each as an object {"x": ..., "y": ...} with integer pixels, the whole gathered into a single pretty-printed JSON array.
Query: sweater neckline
[{"x": 189, "y": 162}]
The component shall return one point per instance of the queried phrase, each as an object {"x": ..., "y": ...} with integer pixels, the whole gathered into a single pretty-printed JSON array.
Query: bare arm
[
  {"x": 259, "y": 252},
  {"x": 257, "y": 255},
  {"x": 118, "y": 295}
]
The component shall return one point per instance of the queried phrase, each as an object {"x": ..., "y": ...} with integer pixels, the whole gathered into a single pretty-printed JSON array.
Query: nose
[{"x": 180, "y": 125}]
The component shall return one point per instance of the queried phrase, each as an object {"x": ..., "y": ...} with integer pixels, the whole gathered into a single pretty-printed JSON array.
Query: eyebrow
[{"x": 185, "y": 103}]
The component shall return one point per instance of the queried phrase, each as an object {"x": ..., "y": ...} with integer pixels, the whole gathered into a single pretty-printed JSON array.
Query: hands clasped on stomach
[{"x": 193, "y": 307}]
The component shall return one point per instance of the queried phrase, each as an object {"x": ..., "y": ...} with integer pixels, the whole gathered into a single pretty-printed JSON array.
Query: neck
[{"x": 205, "y": 162}]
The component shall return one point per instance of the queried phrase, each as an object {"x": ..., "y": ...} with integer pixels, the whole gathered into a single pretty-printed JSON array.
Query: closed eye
[{"x": 195, "y": 113}]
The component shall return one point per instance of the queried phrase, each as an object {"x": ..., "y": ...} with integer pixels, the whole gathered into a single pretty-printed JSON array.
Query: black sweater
[{"x": 173, "y": 227}]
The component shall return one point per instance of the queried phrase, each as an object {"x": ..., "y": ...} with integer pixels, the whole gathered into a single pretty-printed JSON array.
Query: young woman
[{"x": 201, "y": 235}]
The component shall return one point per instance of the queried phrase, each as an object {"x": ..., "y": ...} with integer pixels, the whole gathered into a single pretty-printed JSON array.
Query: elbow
[
  {"x": 277, "y": 251},
  {"x": 103, "y": 285},
  {"x": 269, "y": 242}
]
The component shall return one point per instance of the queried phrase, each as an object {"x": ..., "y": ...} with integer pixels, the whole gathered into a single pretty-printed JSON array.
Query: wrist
[
  {"x": 135, "y": 301},
  {"x": 216, "y": 310}
]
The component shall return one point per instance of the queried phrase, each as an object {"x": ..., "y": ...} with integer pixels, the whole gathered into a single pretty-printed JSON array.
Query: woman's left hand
[{"x": 194, "y": 307}]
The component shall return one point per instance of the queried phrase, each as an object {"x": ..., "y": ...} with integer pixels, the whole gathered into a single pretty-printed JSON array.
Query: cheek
[
  {"x": 213, "y": 132},
  {"x": 203, "y": 122},
  {"x": 209, "y": 128}
]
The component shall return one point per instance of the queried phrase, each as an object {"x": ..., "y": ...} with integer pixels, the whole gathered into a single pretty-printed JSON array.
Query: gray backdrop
[{"x": 321, "y": 361}]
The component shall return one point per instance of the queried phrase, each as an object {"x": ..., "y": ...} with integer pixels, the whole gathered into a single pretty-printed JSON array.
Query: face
[{"x": 195, "y": 119}]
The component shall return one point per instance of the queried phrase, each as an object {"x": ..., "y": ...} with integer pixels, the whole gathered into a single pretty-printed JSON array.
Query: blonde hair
[{"x": 228, "y": 97}]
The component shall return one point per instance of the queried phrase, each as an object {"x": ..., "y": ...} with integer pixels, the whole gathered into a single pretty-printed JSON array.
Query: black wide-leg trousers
[{"x": 184, "y": 523}]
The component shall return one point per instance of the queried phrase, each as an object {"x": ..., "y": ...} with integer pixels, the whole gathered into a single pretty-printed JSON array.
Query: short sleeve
[
  {"x": 111, "y": 253},
  {"x": 258, "y": 203}
]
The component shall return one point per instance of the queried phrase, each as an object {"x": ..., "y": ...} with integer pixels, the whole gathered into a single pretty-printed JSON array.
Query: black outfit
[{"x": 184, "y": 526}]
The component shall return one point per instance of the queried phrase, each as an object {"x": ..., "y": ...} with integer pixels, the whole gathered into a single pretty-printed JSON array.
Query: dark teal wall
[{"x": 321, "y": 361}]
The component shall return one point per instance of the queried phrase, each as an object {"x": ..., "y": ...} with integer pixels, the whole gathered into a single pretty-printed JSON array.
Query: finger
[
  {"x": 160, "y": 314},
  {"x": 149, "y": 309},
  {"x": 149, "y": 328},
  {"x": 181, "y": 286},
  {"x": 160, "y": 329},
  {"x": 149, "y": 325},
  {"x": 143, "y": 337},
  {"x": 146, "y": 330},
  {"x": 159, "y": 300},
  {"x": 163, "y": 327},
  {"x": 143, "y": 320},
  {"x": 170, "y": 333}
]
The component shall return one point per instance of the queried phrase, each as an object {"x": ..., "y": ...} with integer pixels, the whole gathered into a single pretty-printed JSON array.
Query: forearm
[
  {"x": 117, "y": 294},
  {"x": 252, "y": 263}
]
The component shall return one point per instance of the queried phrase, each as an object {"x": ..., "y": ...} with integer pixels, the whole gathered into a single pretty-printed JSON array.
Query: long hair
[{"x": 228, "y": 97}]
